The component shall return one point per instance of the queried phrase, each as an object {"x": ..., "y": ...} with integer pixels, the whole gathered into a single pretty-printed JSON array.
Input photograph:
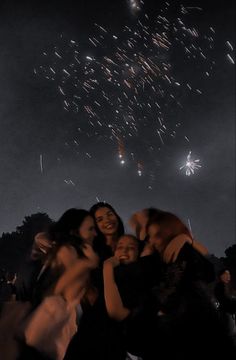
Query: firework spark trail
[
  {"x": 126, "y": 90},
  {"x": 230, "y": 59},
  {"x": 230, "y": 45},
  {"x": 140, "y": 169},
  {"x": 41, "y": 163},
  {"x": 69, "y": 182},
  {"x": 190, "y": 227}
]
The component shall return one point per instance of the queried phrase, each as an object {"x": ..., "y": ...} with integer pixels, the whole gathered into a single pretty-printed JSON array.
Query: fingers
[
  {"x": 114, "y": 261},
  {"x": 173, "y": 249}
]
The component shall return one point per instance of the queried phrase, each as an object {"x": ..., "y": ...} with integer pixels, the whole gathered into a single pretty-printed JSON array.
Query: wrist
[
  {"x": 91, "y": 263},
  {"x": 108, "y": 265}
]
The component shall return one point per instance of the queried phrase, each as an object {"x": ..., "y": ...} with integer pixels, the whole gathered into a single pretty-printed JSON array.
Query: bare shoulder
[{"x": 67, "y": 255}]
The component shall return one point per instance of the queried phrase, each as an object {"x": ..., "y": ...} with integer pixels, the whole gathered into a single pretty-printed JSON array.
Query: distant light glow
[{"x": 134, "y": 6}]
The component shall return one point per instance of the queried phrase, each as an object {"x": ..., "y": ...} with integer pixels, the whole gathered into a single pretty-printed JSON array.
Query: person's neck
[{"x": 111, "y": 241}]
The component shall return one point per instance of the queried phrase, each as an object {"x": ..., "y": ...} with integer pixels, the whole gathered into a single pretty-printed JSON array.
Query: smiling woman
[
  {"x": 127, "y": 249},
  {"x": 109, "y": 225}
]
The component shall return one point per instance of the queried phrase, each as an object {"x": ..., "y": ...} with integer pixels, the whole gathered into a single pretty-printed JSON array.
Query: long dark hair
[
  {"x": 100, "y": 246},
  {"x": 99, "y": 205},
  {"x": 61, "y": 232}
]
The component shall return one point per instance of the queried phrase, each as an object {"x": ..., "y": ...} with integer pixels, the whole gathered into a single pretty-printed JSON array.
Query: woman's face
[
  {"x": 225, "y": 277},
  {"x": 154, "y": 237},
  {"x": 127, "y": 250},
  {"x": 87, "y": 230},
  {"x": 106, "y": 221}
]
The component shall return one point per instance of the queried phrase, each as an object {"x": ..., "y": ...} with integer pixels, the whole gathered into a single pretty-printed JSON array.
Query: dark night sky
[{"x": 33, "y": 123}]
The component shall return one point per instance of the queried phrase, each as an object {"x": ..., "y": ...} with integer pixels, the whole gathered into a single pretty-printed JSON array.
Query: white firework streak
[
  {"x": 41, "y": 162},
  {"x": 190, "y": 227},
  {"x": 190, "y": 165},
  {"x": 230, "y": 59},
  {"x": 126, "y": 75}
]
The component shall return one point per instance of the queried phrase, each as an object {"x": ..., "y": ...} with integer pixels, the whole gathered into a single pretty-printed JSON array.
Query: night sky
[{"x": 99, "y": 101}]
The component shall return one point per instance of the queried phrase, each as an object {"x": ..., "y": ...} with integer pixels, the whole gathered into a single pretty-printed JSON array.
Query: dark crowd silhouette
[{"x": 82, "y": 288}]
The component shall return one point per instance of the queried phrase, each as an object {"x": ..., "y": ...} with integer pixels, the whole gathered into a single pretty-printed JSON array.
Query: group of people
[{"x": 141, "y": 295}]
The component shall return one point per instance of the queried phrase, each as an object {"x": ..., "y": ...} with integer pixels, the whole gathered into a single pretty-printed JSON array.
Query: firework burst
[
  {"x": 190, "y": 165},
  {"x": 123, "y": 85}
]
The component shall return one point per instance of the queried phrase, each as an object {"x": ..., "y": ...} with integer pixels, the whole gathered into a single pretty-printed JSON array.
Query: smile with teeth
[
  {"x": 123, "y": 257},
  {"x": 110, "y": 226}
]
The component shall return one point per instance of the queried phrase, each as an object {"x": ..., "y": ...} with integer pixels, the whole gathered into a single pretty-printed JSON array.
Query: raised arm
[
  {"x": 172, "y": 250},
  {"x": 77, "y": 271},
  {"x": 138, "y": 223},
  {"x": 114, "y": 304}
]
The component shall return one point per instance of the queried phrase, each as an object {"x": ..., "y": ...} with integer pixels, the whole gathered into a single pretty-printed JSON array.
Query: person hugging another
[
  {"x": 186, "y": 317},
  {"x": 126, "y": 252}
]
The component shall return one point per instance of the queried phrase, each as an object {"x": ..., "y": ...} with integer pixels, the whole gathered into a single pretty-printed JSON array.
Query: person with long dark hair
[
  {"x": 76, "y": 222},
  {"x": 109, "y": 227},
  {"x": 64, "y": 279}
]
